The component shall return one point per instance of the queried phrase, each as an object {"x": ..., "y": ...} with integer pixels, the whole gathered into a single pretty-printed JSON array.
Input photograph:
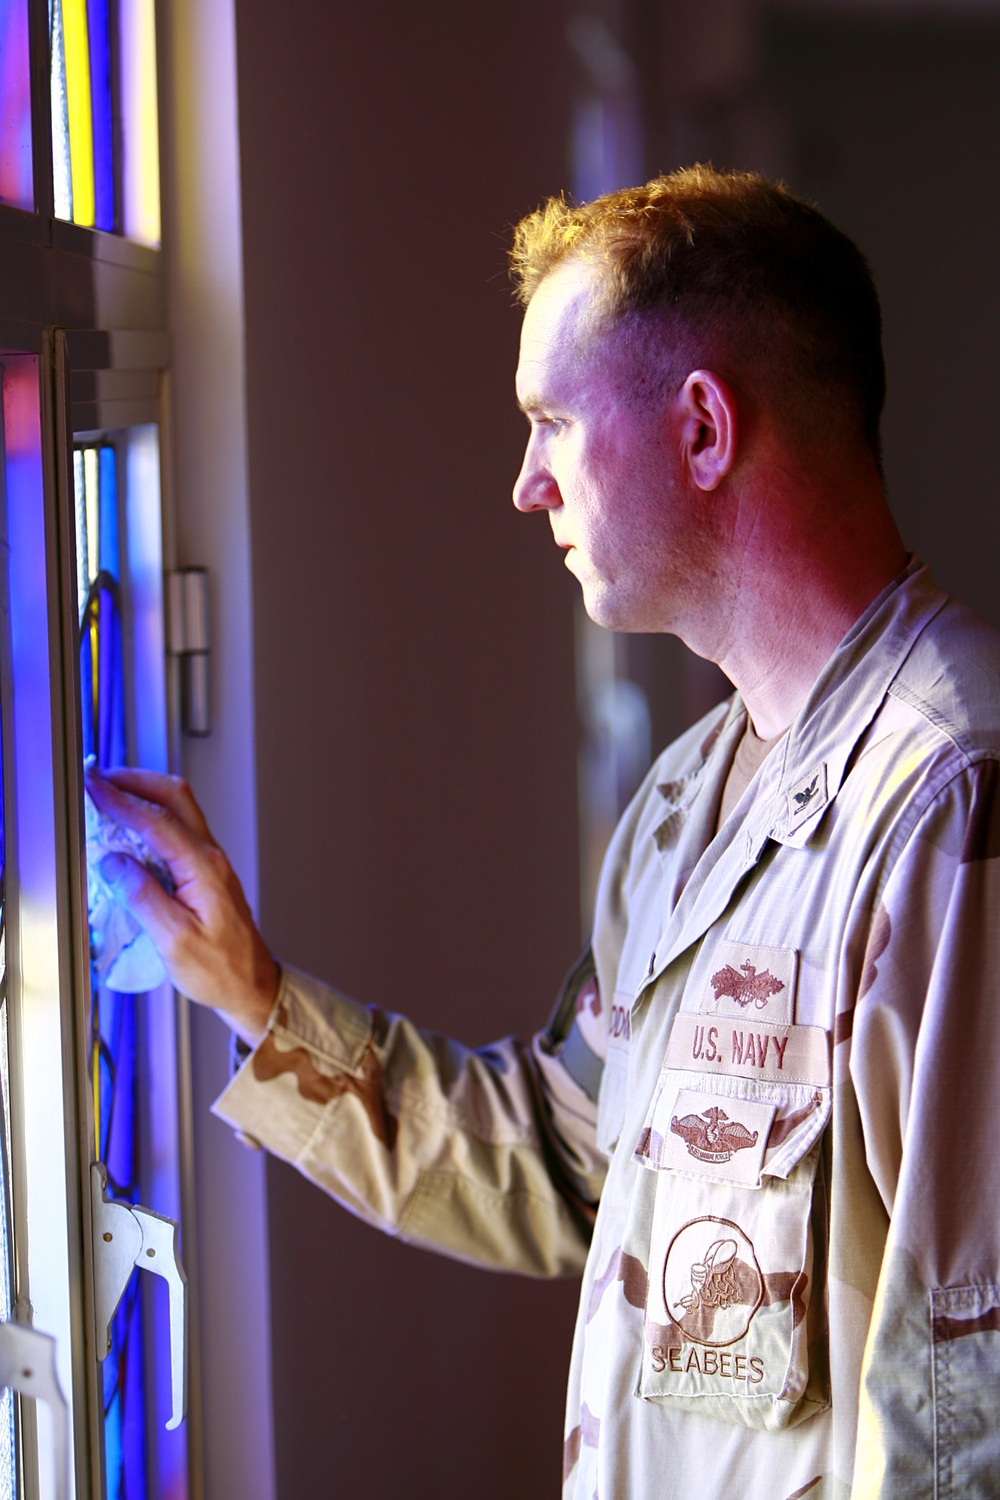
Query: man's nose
[{"x": 535, "y": 488}]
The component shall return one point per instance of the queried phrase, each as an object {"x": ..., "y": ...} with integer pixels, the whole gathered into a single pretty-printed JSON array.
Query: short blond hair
[{"x": 733, "y": 263}]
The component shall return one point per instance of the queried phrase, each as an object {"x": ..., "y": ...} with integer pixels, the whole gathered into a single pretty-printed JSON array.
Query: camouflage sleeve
[
  {"x": 485, "y": 1155},
  {"x": 925, "y": 1060}
]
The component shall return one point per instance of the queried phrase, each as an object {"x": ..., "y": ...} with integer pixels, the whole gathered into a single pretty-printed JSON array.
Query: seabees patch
[
  {"x": 724, "y": 1325},
  {"x": 712, "y": 1284}
]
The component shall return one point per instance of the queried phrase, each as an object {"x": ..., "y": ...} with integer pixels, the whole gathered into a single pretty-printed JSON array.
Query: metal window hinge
[
  {"x": 126, "y": 1236},
  {"x": 28, "y": 1366},
  {"x": 187, "y": 601}
]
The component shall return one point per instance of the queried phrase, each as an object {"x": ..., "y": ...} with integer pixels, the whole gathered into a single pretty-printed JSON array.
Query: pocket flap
[{"x": 728, "y": 1129}]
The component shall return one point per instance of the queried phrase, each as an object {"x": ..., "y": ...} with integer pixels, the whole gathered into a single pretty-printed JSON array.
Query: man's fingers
[
  {"x": 204, "y": 929},
  {"x": 156, "y": 912},
  {"x": 171, "y": 792},
  {"x": 211, "y": 948},
  {"x": 180, "y": 848}
]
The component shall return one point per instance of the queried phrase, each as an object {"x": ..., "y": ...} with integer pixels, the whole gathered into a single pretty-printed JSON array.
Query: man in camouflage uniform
[{"x": 757, "y": 1120}]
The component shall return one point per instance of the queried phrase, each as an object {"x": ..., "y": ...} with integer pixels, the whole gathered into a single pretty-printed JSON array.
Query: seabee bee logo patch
[{"x": 712, "y": 1283}]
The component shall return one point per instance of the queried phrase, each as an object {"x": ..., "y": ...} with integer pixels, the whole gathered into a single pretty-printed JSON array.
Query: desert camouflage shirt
[{"x": 761, "y": 1121}]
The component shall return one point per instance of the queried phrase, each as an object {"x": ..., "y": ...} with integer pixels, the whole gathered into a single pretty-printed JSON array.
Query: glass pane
[
  {"x": 20, "y": 455},
  {"x": 114, "y": 1040},
  {"x": 8, "y": 1409},
  {"x": 8, "y": 1406},
  {"x": 62, "y": 175},
  {"x": 82, "y": 112},
  {"x": 141, "y": 151},
  {"x": 99, "y": 26},
  {"x": 78, "y": 107},
  {"x": 15, "y": 106}
]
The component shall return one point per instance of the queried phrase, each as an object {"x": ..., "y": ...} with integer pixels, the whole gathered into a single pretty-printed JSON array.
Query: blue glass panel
[
  {"x": 98, "y": 23},
  {"x": 124, "y": 1433},
  {"x": 124, "y": 1405},
  {"x": 114, "y": 1041},
  {"x": 107, "y": 460}
]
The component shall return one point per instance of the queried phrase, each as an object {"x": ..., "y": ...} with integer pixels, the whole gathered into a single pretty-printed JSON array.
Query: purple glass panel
[{"x": 16, "y": 185}]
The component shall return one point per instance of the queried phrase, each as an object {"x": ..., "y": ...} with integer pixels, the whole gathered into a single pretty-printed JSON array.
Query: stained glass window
[
  {"x": 15, "y": 106},
  {"x": 103, "y": 68},
  {"x": 8, "y": 1411},
  {"x": 113, "y": 1029},
  {"x": 8, "y": 1450},
  {"x": 20, "y": 476}
]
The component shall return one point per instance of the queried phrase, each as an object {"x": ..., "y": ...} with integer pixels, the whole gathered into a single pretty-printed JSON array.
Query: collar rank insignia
[
  {"x": 803, "y": 798},
  {"x": 712, "y": 1136},
  {"x": 746, "y": 986},
  {"x": 807, "y": 796}
]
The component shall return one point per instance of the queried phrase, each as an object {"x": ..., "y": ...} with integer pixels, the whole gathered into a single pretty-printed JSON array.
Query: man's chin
[
  {"x": 599, "y": 597},
  {"x": 603, "y": 610},
  {"x": 612, "y": 612}
]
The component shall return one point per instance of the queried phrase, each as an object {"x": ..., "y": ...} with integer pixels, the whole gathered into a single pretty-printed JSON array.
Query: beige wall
[{"x": 415, "y": 721}]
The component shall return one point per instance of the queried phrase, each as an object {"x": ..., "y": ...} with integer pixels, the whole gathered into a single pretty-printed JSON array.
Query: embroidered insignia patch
[
  {"x": 746, "y": 986},
  {"x": 753, "y": 980},
  {"x": 803, "y": 798},
  {"x": 807, "y": 796},
  {"x": 712, "y": 1283},
  {"x": 709, "y": 1135},
  {"x": 713, "y": 1136}
]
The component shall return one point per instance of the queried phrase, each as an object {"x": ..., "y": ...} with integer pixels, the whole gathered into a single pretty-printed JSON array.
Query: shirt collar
[{"x": 804, "y": 774}]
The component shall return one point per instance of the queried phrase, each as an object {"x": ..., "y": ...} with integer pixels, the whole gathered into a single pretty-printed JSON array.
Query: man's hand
[{"x": 204, "y": 931}]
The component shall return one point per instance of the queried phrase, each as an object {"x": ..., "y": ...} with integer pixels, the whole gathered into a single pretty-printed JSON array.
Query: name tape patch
[{"x": 750, "y": 1049}]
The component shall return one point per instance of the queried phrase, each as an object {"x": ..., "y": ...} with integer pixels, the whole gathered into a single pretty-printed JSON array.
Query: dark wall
[
  {"x": 416, "y": 732},
  {"x": 893, "y": 124}
]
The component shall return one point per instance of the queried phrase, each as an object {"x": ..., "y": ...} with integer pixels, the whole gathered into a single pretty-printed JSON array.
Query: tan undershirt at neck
[{"x": 751, "y": 753}]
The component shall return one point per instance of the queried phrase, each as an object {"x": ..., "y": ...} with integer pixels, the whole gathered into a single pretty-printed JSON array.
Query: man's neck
[{"x": 810, "y": 559}]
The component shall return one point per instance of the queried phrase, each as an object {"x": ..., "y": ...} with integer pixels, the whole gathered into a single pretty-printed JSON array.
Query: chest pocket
[{"x": 728, "y": 1218}]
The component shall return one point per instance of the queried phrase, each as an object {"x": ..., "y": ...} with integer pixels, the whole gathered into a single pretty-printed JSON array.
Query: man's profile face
[{"x": 602, "y": 461}]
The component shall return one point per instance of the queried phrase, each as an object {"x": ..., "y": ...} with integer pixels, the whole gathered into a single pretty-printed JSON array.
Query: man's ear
[{"x": 706, "y": 409}]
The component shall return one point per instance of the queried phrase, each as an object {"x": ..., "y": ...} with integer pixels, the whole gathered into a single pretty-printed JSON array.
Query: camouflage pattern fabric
[{"x": 758, "y": 1121}]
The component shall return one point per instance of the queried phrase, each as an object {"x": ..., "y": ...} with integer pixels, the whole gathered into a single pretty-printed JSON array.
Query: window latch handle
[
  {"x": 125, "y": 1236},
  {"x": 28, "y": 1365}
]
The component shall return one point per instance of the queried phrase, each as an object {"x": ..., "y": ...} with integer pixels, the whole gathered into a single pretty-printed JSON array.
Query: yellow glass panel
[
  {"x": 81, "y": 125},
  {"x": 141, "y": 166}
]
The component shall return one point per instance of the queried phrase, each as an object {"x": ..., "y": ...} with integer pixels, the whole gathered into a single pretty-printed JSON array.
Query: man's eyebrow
[{"x": 531, "y": 402}]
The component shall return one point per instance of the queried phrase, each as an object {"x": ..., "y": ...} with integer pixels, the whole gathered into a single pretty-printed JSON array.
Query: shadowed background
[{"x": 416, "y": 721}]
